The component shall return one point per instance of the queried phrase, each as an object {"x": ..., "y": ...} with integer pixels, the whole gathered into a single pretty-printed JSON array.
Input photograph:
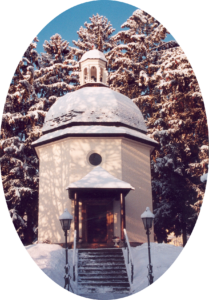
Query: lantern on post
[
  {"x": 147, "y": 218},
  {"x": 65, "y": 220}
]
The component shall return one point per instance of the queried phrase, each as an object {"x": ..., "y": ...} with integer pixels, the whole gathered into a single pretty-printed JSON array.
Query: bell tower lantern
[{"x": 93, "y": 69}]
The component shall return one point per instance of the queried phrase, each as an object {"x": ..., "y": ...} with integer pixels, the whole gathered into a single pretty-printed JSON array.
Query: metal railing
[
  {"x": 129, "y": 258},
  {"x": 74, "y": 257}
]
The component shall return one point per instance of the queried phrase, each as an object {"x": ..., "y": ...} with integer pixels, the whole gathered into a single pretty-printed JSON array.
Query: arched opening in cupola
[
  {"x": 85, "y": 77},
  {"x": 101, "y": 75},
  {"x": 93, "y": 74}
]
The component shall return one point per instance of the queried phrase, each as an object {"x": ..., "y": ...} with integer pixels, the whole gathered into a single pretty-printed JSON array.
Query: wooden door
[
  {"x": 110, "y": 224},
  {"x": 97, "y": 221}
]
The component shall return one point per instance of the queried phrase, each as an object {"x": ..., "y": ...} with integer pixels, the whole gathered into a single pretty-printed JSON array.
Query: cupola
[{"x": 93, "y": 69}]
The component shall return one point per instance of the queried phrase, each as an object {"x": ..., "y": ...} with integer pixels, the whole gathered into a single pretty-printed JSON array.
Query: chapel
[{"x": 94, "y": 158}]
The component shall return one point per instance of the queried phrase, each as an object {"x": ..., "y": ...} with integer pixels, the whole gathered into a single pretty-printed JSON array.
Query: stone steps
[
  {"x": 104, "y": 271},
  {"x": 104, "y": 280},
  {"x": 101, "y": 271}
]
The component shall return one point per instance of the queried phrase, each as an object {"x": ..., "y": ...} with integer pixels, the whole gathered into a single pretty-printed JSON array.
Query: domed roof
[
  {"x": 93, "y": 54},
  {"x": 94, "y": 105}
]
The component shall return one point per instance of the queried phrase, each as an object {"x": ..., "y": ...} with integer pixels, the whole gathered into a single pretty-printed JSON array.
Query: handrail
[
  {"x": 129, "y": 255},
  {"x": 74, "y": 255}
]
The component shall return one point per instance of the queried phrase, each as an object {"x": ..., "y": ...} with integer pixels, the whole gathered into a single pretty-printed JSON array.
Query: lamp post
[
  {"x": 65, "y": 220},
  {"x": 147, "y": 218},
  {"x": 204, "y": 178}
]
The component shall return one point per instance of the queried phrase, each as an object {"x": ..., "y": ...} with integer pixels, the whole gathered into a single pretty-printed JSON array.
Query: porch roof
[{"x": 99, "y": 178}]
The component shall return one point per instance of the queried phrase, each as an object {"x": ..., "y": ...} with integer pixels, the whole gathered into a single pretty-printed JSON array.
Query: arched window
[{"x": 93, "y": 74}]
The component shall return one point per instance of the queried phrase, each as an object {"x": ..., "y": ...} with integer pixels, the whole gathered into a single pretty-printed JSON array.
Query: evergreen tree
[
  {"x": 177, "y": 120},
  {"x": 31, "y": 94},
  {"x": 19, "y": 164},
  {"x": 58, "y": 71},
  {"x": 159, "y": 79},
  {"x": 95, "y": 35},
  {"x": 131, "y": 58}
]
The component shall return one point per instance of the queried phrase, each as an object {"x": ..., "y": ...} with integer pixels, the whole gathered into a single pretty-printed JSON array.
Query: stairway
[{"x": 102, "y": 271}]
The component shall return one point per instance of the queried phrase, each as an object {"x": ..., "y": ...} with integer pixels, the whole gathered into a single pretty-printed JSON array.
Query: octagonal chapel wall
[
  {"x": 135, "y": 159},
  {"x": 66, "y": 161},
  {"x": 63, "y": 162}
]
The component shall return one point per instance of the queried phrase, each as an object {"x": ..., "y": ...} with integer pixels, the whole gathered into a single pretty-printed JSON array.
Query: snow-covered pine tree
[
  {"x": 177, "y": 120},
  {"x": 130, "y": 59},
  {"x": 58, "y": 70},
  {"x": 96, "y": 34},
  {"x": 19, "y": 165},
  {"x": 30, "y": 95}
]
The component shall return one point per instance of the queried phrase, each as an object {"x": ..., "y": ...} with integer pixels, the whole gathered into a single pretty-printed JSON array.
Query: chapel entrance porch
[
  {"x": 98, "y": 198},
  {"x": 94, "y": 218}
]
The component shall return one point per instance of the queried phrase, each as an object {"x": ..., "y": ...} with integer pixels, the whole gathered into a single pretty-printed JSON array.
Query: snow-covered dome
[
  {"x": 94, "y": 105},
  {"x": 92, "y": 54}
]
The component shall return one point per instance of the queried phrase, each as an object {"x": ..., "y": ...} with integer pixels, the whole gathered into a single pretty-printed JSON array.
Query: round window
[{"x": 95, "y": 159}]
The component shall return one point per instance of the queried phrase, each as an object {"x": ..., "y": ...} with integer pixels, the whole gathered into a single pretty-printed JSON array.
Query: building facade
[{"x": 95, "y": 161}]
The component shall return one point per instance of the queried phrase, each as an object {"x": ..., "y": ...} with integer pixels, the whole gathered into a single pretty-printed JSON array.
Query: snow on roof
[
  {"x": 99, "y": 178},
  {"x": 93, "y": 105},
  {"x": 93, "y": 54},
  {"x": 94, "y": 130}
]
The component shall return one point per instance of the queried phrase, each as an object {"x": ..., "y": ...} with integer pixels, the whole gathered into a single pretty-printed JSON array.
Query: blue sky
[{"x": 68, "y": 23}]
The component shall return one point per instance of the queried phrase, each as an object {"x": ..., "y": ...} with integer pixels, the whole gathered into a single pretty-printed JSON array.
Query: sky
[{"x": 68, "y": 23}]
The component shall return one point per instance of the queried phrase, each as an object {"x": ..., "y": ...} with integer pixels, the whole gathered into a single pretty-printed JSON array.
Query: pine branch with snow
[
  {"x": 57, "y": 74},
  {"x": 20, "y": 126},
  {"x": 132, "y": 57},
  {"x": 176, "y": 118},
  {"x": 96, "y": 34}
]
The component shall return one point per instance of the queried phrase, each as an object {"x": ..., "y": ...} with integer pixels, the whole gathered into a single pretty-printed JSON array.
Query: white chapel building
[{"x": 94, "y": 159}]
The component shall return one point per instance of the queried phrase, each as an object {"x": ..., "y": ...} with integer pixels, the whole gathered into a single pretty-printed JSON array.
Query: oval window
[{"x": 95, "y": 159}]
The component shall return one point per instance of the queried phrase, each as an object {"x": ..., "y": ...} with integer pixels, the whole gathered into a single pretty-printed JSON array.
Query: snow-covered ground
[{"x": 51, "y": 260}]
